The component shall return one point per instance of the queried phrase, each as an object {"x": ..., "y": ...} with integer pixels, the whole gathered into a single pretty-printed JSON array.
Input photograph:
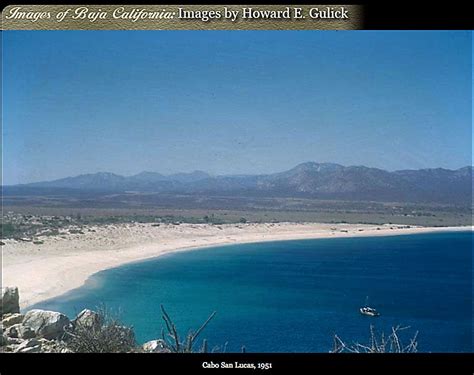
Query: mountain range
[{"x": 312, "y": 180}]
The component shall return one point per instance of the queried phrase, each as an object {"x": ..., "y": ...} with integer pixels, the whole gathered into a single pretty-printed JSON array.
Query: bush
[
  {"x": 172, "y": 341},
  {"x": 111, "y": 336},
  {"x": 7, "y": 230},
  {"x": 383, "y": 344}
]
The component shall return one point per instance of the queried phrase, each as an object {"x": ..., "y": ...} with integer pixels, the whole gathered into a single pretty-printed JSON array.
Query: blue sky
[{"x": 233, "y": 102}]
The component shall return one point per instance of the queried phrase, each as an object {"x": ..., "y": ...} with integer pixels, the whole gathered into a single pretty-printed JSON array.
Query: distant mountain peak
[
  {"x": 193, "y": 173},
  {"x": 147, "y": 173},
  {"x": 97, "y": 174},
  {"x": 317, "y": 167},
  {"x": 105, "y": 174},
  {"x": 311, "y": 179}
]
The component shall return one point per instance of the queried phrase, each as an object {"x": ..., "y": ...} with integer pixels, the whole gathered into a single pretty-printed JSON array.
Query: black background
[
  {"x": 380, "y": 16},
  {"x": 406, "y": 16},
  {"x": 291, "y": 364}
]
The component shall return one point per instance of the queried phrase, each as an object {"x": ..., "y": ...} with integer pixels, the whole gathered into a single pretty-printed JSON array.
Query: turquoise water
[{"x": 293, "y": 296}]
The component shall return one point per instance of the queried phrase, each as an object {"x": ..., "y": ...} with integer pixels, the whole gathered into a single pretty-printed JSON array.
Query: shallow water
[{"x": 293, "y": 296}]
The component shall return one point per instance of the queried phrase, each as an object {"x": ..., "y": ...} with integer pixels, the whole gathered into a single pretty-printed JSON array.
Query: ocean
[{"x": 294, "y": 296}]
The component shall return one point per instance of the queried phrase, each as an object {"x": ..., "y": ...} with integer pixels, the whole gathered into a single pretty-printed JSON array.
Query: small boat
[{"x": 370, "y": 311}]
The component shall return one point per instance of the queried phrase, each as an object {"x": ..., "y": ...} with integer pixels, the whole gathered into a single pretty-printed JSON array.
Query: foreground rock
[
  {"x": 155, "y": 346},
  {"x": 88, "y": 319},
  {"x": 26, "y": 332},
  {"x": 28, "y": 346},
  {"x": 38, "y": 331},
  {"x": 12, "y": 331},
  {"x": 47, "y": 324},
  {"x": 42, "y": 331},
  {"x": 9, "y": 301},
  {"x": 12, "y": 319}
]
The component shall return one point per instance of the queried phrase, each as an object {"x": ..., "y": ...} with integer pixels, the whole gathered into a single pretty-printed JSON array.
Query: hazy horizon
[
  {"x": 225, "y": 174},
  {"x": 233, "y": 102}
]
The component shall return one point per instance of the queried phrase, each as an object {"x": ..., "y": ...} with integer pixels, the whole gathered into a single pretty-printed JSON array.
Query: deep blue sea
[{"x": 293, "y": 296}]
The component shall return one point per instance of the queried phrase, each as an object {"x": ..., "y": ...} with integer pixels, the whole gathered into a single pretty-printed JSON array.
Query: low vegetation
[
  {"x": 107, "y": 334},
  {"x": 29, "y": 220},
  {"x": 174, "y": 344},
  {"x": 103, "y": 332},
  {"x": 382, "y": 343},
  {"x": 111, "y": 336}
]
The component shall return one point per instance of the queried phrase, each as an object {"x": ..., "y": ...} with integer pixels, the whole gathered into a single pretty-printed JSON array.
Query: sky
[{"x": 233, "y": 102}]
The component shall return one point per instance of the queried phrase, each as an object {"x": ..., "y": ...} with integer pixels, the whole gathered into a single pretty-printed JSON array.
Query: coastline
[{"x": 65, "y": 262}]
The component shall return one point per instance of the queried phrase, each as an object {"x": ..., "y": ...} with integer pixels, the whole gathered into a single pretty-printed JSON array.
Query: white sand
[{"x": 64, "y": 262}]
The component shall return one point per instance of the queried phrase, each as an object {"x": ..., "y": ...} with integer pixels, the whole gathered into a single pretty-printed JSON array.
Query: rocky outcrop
[
  {"x": 88, "y": 319},
  {"x": 47, "y": 324},
  {"x": 28, "y": 346},
  {"x": 155, "y": 346},
  {"x": 38, "y": 331},
  {"x": 11, "y": 319},
  {"x": 9, "y": 301},
  {"x": 52, "y": 346},
  {"x": 12, "y": 331},
  {"x": 42, "y": 331},
  {"x": 26, "y": 332},
  {"x": 19, "y": 331}
]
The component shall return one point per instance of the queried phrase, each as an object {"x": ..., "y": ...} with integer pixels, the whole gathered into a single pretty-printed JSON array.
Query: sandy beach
[{"x": 61, "y": 263}]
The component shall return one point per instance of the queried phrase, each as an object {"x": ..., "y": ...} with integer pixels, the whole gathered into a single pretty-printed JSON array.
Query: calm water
[{"x": 294, "y": 296}]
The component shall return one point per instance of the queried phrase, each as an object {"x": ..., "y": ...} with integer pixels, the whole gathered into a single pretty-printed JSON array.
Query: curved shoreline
[{"x": 63, "y": 264}]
